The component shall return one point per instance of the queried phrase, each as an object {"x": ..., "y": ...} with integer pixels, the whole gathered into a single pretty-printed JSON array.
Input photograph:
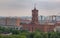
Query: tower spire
[{"x": 35, "y": 6}]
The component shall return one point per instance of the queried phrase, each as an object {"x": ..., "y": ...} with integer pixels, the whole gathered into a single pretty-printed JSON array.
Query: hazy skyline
[{"x": 24, "y": 7}]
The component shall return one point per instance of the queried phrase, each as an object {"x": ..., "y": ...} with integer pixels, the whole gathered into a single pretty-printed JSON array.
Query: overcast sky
[{"x": 24, "y": 7}]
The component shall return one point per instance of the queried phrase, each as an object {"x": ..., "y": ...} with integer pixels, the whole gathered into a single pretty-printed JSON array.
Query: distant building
[
  {"x": 12, "y": 21},
  {"x": 8, "y": 22}
]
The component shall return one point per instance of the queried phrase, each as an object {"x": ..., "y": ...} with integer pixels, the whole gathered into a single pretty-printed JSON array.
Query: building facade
[{"x": 34, "y": 25}]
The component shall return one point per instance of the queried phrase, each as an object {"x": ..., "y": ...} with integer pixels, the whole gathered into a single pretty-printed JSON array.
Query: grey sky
[{"x": 24, "y": 7}]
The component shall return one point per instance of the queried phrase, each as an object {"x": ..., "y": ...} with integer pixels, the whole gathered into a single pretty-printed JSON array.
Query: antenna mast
[{"x": 35, "y": 6}]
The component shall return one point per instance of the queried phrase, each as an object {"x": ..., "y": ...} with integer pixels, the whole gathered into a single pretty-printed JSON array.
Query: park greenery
[{"x": 27, "y": 34}]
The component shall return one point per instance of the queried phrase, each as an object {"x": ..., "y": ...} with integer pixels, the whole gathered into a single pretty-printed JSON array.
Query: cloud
[
  {"x": 49, "y": 5},
  {"x": 50, "y": 0},
  {"x": 24, "y": 7},
  {"x": 54, "y": 0},
  {"x": 15, "y": 4},
  {"x": 23, "y": 4}
]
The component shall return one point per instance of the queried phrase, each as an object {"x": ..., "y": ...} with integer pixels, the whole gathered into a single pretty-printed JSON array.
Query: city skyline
[{"x": 24, "y": 7}]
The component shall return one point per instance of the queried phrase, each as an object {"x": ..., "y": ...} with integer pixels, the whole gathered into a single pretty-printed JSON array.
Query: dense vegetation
[{"x": 26, "y": 34}]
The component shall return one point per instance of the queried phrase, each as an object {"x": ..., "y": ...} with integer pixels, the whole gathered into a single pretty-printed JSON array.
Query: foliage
[{"x": 27, "y": 34}]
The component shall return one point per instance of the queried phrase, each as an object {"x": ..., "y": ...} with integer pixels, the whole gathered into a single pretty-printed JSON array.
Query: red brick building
[{"x": 47, "y": 27}]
